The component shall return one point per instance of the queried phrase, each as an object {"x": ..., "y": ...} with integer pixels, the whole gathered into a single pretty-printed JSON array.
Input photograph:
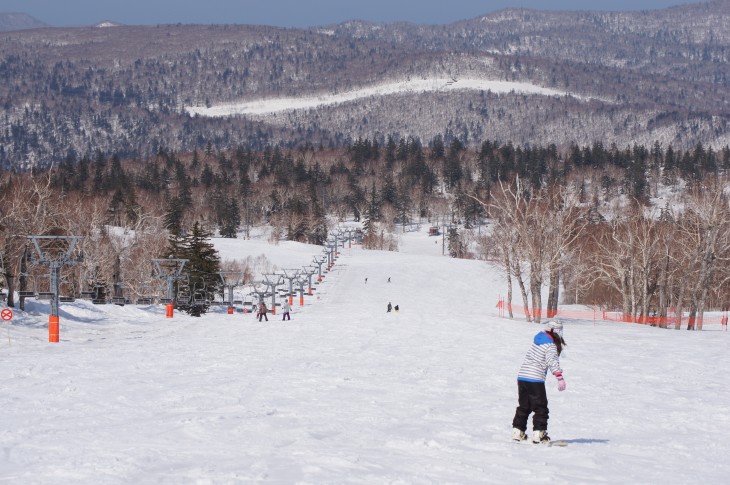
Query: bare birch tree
[{"x": 705, "y": 225}]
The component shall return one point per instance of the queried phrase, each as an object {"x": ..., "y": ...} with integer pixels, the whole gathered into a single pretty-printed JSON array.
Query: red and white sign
[{"x": 6, "y": 314}]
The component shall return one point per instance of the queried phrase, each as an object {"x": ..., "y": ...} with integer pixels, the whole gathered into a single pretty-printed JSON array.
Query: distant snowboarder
[
  {"x": 532, "y": 398},
  {"x": 395, "y": 308}
]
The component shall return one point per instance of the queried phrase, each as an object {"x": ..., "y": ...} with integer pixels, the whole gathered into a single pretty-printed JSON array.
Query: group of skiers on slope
[
  {"x": 543, "y": 356},
  {"x": 262, "y": 310}
]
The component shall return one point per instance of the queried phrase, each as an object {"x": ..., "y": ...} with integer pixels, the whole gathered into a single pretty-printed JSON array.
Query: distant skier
[
  {"x": 262, "y": 311},
  {"x": 532, "y": 398},
  {"x": 395, "y": 308},
  {"x": 287, "y": 308},
  {"x": 388, "y": 279},
  {"x": 390, "y": 307},
  {"x": 366, "y": 281}
]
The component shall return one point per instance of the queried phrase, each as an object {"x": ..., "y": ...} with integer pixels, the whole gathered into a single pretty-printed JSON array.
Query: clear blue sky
[{"x": 294, "y": 13}]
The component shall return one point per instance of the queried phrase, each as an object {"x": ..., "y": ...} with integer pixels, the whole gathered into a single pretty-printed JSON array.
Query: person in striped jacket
[{"x": 543, "y": 356}]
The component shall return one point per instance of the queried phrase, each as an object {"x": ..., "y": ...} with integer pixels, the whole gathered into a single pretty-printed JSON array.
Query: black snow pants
[{"x": 532, "y": 398}]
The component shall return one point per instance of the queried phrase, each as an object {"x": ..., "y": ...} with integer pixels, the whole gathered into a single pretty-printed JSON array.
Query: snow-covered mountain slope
[
  {"x": 347, "y": 393},
  {"x": 410, "y": 86}
]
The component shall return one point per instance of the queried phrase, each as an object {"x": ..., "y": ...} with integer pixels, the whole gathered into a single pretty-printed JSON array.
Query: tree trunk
[
  {"x": 536, "y": 292},
  {"x": 23, "y": 280},
  {"x": 679, "y": 307},
  {"x": 508, "y": 274},
  {"x": 117, "y": 278},
  {"x": 663, "y": 285},
  {"x": 626, "y": 298},
  {"x": 706, "y": 272},
  {"x": 692, "y": 316},
  {"x": 553, "y": 292},
  {"x": 10, "y": 279},
  {"x": 517, "y": 271}
]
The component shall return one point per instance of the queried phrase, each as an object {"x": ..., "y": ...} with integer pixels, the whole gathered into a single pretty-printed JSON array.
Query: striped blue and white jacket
[{"x": 542, "y": 356}]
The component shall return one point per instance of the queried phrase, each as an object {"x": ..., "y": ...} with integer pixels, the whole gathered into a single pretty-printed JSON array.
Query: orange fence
[{"x": 598, "y": 315}]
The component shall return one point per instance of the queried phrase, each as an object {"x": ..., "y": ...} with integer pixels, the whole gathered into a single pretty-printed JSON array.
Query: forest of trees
[
  {"x": 624, "y": 78},
  {"x": 588, "y": 219}
]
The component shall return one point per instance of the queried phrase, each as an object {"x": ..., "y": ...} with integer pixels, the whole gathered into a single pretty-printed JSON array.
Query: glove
[{"x": 561, "y": 381}]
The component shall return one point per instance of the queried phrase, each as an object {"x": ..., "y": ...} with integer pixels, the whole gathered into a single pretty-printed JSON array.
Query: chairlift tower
[
  {"x": 332, "y": 253},
  {"x": 334, "y": 242},
  {"x": 55, "y": 252},
  {"x": 231, "y": 279},
  {"x": 309, "y": 271},
  {"x": 256, "y": 288},
  {"x": 300, "y": 282},
  {"x": 348, "y": 235},
  {"x": 170, "y": 270},
  {"x": 319, "y": 262},
  {"x": 290, "y": 275},
  {"x": 272, "y": 280}
]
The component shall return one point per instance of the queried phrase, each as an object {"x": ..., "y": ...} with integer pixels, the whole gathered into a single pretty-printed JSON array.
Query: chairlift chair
[
  {"x": 144, "y": 297},
  {"x": 200, "y": 295},
  {"x": 67, "y": 296},
  {"x": 99, "y": 294}
]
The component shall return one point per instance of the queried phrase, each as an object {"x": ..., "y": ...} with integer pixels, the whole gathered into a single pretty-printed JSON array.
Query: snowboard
[{"x": 560, "y": 443}]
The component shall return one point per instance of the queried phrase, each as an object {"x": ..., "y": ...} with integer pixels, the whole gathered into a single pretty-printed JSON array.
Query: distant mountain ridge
[
  {"x": 11, "y": 21},
  {"x": 620, "y": 78}
]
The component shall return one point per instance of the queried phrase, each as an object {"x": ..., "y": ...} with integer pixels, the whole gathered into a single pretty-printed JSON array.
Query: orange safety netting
[{"x": 597, "y": 314}]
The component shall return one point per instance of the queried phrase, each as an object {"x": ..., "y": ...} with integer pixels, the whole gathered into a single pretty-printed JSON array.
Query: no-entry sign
[{"x": 6, "y": 314}]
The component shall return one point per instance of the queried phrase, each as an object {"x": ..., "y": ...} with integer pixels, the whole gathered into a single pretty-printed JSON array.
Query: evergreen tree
[
  {"x": 230, "y": 218},
  {"x": 372, "y": 213},
  {"x": 184, "y": 193},
  {"x": 174, "y": 214},
  {"x": 456, "y": 249},
  {"x": 438, "y": 150},
  {"x": 114, "y": 212},
  {"x": 117, "y": 176},
  {"x": 99, "y": 182},
  {"x": 390, "y": 150},
  {"x": 202, "y": 267},
  {"x": 207, "y": 177},
  {"x": 204, "y": 263},
  {"x": 389, "y": 194},
  {"x": 317, "y": 224},
  {"x": 133, "y": 208}
]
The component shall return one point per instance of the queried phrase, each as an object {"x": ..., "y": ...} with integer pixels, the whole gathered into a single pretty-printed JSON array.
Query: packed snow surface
[
  {"x": 277, "y": 105},
  {"x": 347, "y": 393}
]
